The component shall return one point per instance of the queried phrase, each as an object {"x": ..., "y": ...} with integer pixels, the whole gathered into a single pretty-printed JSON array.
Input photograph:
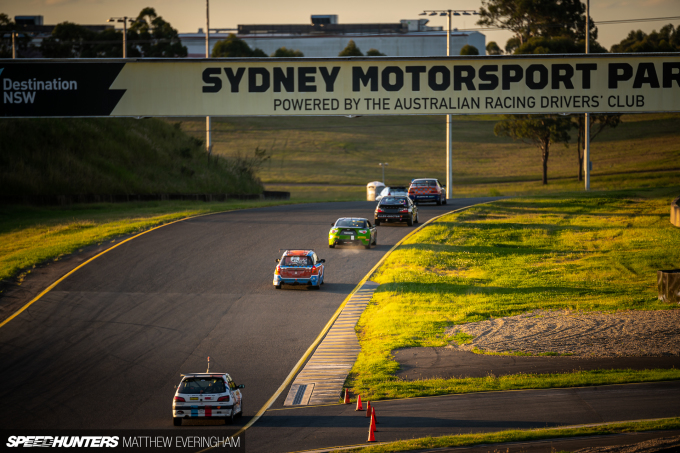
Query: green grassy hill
[
  {"x": 112, "y": 156},
  {"x": 338, "y": 150}
]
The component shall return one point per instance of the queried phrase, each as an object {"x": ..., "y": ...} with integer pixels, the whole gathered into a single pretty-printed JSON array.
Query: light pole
[
  {"x": 14, "y": 45},
  {"x": 124, "y": 20},
  {"x": 449, "y": 133},
  {"x": 383, "y": 165}
]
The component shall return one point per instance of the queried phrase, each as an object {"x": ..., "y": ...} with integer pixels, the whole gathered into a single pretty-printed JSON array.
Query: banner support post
[
  {"x": 208, "y": 138},
  {"x": 586, "y": 147}
]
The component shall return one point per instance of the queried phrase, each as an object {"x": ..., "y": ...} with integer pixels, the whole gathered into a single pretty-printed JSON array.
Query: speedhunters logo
[
  {"x": 63, "y": 441},
  {"x": 185, "y": 440}
]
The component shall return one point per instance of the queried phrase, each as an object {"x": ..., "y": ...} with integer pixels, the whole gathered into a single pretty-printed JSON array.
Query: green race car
[{"x": 351, "y": 230}]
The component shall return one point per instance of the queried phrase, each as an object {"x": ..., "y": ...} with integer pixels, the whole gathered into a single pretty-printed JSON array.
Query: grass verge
[
  {"x": 111, "y": 156},
  {"x": 588, "y": 251},
  {"x": 465, "y": 440},
  {"x": 338, "y": 150}
]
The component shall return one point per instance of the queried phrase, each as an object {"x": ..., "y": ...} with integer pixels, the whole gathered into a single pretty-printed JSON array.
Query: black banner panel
[
  {"x": 180, "y": 440},
  {"x": 523, "y": 84},
  {"x": 59, "y": 89}
]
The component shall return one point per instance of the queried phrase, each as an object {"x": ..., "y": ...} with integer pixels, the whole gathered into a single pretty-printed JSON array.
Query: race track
[{"x": 106, "y": 347}]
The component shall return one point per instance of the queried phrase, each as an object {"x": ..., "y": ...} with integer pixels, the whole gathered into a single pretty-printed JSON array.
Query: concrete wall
[{"x": 403, "y": 45}]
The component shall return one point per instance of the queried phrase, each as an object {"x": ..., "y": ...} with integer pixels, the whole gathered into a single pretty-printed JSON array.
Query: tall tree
[
  {"x": 543, "y": 27},
  {"x": 155, "y": 37},
  {"x": 21, "y": 41},
  {"x": 68, "y": 40},
  {"x": 282, "y": 52},
  {"x": 598, "y": 123},
  {"x": 493, "y": 49},
  {"x": 374, "y": 53},
  {"x": 234, "y": 47},
  {"x": 351, "y": 50},
  {"x": 529, "y": 18},
  {"x": 541, "y": 130},
  {"x": 558, "y": 44},
  {"x": 467, "y": 49},
  {"x": 109, "y": 44},
  {"x": 666, "y": 40}
]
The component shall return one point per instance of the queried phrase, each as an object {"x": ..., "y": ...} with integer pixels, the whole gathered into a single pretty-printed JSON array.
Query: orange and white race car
[{"x": 299, "y": 267}]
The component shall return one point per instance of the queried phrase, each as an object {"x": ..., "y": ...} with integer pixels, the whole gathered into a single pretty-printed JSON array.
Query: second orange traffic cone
[
  {"x": 368, "y": 409},
  {"x": 359, "y": 406},
  {"x": 347, "y": 401},
  {"x": 371, "y": 436}
]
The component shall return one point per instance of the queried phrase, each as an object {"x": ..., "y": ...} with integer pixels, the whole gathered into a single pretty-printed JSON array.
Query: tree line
[
  {"x": 558, "y": 27},
  {"x": 538, "y": 27}
]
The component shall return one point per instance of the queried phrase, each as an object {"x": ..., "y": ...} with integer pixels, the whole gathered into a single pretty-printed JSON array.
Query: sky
[{"x": 187, "y": 16}]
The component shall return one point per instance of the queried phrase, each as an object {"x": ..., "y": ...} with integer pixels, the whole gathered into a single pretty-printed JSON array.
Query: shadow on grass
[
  {"x": 489, "y": 250},
  {"x": 472, "y": 289}
]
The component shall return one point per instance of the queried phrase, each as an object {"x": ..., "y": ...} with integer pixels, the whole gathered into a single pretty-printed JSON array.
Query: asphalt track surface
[
  {"x": 105, "y": 348},
  {"x": 311, "y": 428}
]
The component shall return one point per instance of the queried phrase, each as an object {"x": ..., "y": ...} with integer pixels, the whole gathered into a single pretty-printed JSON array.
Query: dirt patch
[
  {"x": 447, "y": 363},
  {"x": 580, "y": 334}
]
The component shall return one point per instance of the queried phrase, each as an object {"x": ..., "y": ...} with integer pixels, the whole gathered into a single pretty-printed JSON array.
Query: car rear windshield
[
  {"x": 299, "y": 261},
  {"x": 394, "y": 200},
  {"x": 424, "y": 183},
  {"x": 197, "y": 386},
  {"x": 351, "y": 223}
]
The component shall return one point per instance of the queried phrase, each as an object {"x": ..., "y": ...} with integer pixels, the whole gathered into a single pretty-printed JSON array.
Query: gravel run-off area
[{"x": 581, "y": 334}]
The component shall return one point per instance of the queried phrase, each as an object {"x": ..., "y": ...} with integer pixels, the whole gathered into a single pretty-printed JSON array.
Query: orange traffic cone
[
  {"x": 359, "y": 406},
  {"x": 371, "y": 436},
  {"x": 368, "y": 409},
  {"x": 347, "y": 401},
  {"x": 372, "y": 428},
  {"x": 373, "y": 414}
]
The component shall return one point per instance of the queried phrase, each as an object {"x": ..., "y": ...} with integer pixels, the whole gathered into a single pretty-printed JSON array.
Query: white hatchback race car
[{"x": 207, "y": 396}]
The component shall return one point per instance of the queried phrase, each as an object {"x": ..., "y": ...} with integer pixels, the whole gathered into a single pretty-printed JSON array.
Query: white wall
[{"x": 403, "y": 45}]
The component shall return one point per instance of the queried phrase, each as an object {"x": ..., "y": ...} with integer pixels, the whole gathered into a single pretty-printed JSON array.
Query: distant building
[
  {"x": 33, "y": 27},
  {"x": 325, "y": 37}
]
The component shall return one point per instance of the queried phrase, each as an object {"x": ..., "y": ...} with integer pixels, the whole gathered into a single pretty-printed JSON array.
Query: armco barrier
[
  {"x": 122, "y": 198},
  {"x": 675, "y": 212}
]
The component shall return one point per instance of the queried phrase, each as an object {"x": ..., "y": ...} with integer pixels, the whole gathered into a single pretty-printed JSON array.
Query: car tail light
[
  {"x": 403, "y": 210},
  {"x": 180, "y": 399},
  {"x": 277, "y": 271},
  {"x": 379, "y": 210},
  {"x": 315, "y": 269},
  {"x": 223, "y": 398},
  {"x": 363, "y": 231}
]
